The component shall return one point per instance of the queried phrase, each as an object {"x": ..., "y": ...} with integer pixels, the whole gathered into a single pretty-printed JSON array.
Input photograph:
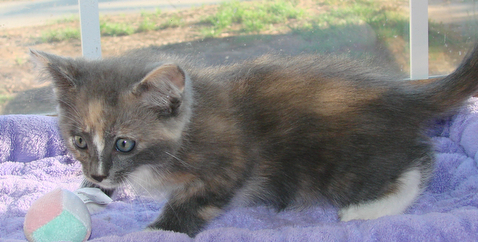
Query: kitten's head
[{"x": 118, "y": 116}]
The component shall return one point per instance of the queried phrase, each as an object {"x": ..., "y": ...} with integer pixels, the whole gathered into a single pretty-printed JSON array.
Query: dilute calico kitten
[{"x": 281, "y": 131}]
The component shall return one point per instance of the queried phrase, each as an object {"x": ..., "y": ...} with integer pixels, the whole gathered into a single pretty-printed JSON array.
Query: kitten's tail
[{"x": 451, "y": 91}]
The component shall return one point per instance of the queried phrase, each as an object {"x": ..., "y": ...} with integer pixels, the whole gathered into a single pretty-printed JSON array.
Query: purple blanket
[{"x": 34, "y": 161}]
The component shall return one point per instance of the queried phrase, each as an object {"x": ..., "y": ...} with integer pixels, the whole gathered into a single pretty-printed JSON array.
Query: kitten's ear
[
  {"x": 161, "y": 89},
  {"x": 56, "y": 68},
  {"x": 160, "y": 77}
]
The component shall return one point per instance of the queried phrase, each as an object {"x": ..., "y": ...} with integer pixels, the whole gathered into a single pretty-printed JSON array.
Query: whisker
[
  {"x": 159, "y": 180},
  {"x": 167, "y": 203},
  {"x": 139, "y": 198},
  {"x": 181, "y": 161},
  {"x": 127, "y": 186}
]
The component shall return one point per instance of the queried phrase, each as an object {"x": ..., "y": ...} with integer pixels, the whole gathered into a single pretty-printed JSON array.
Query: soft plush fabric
[{"x": 34, "y": 161}]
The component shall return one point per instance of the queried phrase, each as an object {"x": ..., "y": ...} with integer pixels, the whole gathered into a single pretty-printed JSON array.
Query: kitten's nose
[{"x": 98, "y": 178}]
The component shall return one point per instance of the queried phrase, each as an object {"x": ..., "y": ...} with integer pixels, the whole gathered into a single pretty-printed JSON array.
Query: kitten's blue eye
[
  {"x": 125, "y": 145},
  {"x": 80, "y": 142}
]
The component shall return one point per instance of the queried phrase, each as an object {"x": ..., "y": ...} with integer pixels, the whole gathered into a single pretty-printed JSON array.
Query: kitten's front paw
[
  {"x": 150, "y": 229},
  {"x": 108, "y": 192},
  {"x": 175, "y": 225}
]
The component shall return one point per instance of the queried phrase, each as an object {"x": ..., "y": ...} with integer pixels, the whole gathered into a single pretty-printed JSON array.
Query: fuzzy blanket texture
[{"x": 34, "y": 161}]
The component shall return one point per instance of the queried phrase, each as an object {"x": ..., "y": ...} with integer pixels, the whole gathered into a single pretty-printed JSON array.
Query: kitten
[{"x": 280, "y": 131}]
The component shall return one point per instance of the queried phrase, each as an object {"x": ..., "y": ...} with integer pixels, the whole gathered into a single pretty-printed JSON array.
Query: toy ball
[{"x": 58, "y": 216}]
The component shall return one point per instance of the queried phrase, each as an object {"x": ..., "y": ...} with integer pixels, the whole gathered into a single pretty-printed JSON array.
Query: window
[
  {"x": 224, "y": 33},
  {"x": 453, "y": 29}
]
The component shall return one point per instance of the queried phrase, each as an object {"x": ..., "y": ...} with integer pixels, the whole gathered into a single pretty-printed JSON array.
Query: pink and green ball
[{"x": 57, "y": 216}]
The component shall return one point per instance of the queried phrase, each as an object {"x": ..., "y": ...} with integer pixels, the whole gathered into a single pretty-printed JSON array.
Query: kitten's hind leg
[
  {"x": 86, "y": 183},
  {"x": 408, "y": 189}
]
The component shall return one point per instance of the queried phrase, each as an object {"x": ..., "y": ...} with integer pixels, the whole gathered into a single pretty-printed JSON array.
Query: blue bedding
[{"x": 34, "y": 161}]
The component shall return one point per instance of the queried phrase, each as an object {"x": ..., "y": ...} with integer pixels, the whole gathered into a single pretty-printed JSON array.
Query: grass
[
  {"x": 346, "y": 22},
  {"x": 157, "y": 13},
  {"x": 172, "y": 22},
  {"x": 115, "y": 29},
  {"x": 239, "y": 18},
  {"x": 148, "y": 22},
  {"x": 342, "y": 22},
  {"x": 69, "y": 19},
  {"x": 146, "y": 25},
  {"x": 57, "y": 35},
  {"x": 20, "y": 61},
  {"x": 4, "y": 98},
  {"x": 252, "y": 16},
  {"x": 69, "y": 33}
]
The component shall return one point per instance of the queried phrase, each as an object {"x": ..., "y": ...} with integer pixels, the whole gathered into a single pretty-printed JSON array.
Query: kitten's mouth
[{"x": 105, "y": 183}]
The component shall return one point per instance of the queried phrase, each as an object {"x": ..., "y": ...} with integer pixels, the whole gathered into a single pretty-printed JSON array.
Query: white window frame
[
  {"x": 90, "y": 29},
  {"x": 418, "y": 39},
  {"x": 91, "y": 40}
]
